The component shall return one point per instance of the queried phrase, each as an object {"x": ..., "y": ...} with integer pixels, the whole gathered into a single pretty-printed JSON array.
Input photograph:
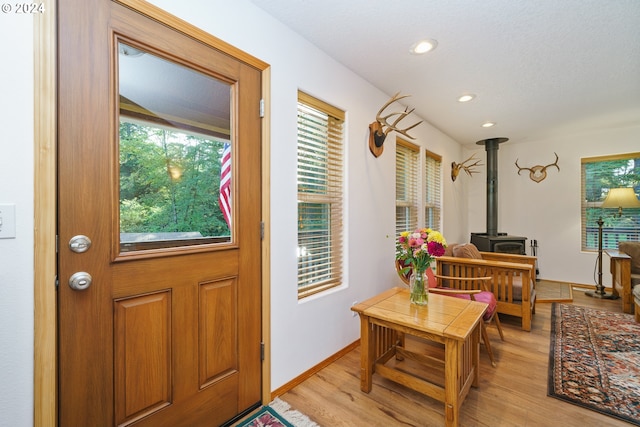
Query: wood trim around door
[
  {"x": 45, "y": 147},
  {"x": 45, "y": 207},
  {"x": 154, "y": 12},
  {"x": 266, "y": 238}
]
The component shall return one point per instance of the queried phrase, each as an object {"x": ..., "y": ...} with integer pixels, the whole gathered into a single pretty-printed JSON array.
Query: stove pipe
[{"x": 491, "y": 147}]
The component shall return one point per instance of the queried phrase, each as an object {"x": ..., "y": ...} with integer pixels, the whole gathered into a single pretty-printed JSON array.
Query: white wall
[
  {"x": 549, "y": 211},
  {"x": 16, "y": 187},
  {"x": 305, "y": 333}
]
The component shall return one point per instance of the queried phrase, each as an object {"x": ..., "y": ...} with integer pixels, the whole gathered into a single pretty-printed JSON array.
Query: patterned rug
[
  {"x": 594, "y": 360},
  {"x": 266, "y": 417},
  {"x": 277, "y": 414}
]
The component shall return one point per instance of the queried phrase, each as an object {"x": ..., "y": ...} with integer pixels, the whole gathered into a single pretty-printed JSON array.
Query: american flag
[{"x": 225, "y": 184}]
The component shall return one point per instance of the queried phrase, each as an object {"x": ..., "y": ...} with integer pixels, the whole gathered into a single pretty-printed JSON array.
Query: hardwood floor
[{"x": 513, "y": 394}]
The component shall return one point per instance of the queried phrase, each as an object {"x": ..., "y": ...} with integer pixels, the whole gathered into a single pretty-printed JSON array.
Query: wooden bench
[{"x": 513, "y": 281}]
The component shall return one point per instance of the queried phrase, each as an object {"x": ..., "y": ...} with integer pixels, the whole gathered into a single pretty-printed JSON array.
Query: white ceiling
[{"x": 538, "y": 67}]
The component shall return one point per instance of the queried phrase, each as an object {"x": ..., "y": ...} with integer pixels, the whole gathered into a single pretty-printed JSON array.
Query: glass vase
[{"x": 419, "y": 288}]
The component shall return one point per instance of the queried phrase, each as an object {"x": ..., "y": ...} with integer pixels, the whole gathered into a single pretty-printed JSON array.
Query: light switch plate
[{"x": 7, "y": 221}]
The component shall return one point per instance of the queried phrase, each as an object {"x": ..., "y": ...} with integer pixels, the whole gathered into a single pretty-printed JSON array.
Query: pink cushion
[
  {"x": 485, "y": 297},
  {"x": 489, "y": 299}
]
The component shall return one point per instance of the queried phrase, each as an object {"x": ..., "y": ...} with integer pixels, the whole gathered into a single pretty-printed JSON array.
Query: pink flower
[{"x": 417, "y": 249}]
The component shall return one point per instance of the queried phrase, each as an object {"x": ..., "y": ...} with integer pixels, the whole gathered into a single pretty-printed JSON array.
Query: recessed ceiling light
[
  {"x": 466, "y": 97},
  {"x": 423, "y": 46},
  {"x": 488, "y": 124}
]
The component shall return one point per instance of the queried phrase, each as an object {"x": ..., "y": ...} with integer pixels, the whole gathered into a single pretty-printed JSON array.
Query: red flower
[{"x": 435, "y": 248}]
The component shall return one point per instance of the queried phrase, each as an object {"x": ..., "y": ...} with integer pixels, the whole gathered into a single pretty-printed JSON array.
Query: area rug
[
  {"x": 278, "y": 414},
  {"x": 550, "y": 291},
  {"x": 594, "y": 360}
]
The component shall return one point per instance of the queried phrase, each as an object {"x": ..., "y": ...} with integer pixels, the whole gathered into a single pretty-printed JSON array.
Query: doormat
[
  {"x": 550, "y": 291},
  {"x": 277, "y": 414},
  {"x": 594, "y": 360}
]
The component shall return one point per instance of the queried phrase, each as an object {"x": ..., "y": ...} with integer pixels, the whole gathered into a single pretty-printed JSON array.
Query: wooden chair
[
  {"x": 513, "y": 278},
  {"x": 473, "y": 288}
]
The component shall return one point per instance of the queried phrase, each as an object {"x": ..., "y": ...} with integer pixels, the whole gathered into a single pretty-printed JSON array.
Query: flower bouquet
[{"x": 415, "y": 251}]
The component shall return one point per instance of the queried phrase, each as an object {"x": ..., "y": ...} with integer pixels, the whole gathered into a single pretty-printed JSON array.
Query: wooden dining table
[{"x": 453, "y": 324}]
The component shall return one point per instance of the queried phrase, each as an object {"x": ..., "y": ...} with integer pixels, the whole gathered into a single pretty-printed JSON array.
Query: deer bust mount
[
  {"x": 538, "y": 173},
  {"x": 379, "y": 129},
  {"x": 469, "y": 169}
]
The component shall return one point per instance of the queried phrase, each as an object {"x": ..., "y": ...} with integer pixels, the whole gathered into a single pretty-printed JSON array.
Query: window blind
[
  {"x": 433, "y": 183},
  {"x": 320, "y": 195},
  {"x": 598, "y": 176},
  {"x": 406, "y": 186}
]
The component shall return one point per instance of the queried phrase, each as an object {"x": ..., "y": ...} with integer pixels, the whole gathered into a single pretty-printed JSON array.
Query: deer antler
[
  {"x": 520, "y": 169},
  {"x": 401, "y": 115},
  {"x": 469, "y": 169},
  {"x": 538, "y": 173},
  {"x": 379, "y": 129}
]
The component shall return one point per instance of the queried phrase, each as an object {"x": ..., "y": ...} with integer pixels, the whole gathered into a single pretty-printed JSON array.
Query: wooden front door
[{"x": 159, "y": 292}]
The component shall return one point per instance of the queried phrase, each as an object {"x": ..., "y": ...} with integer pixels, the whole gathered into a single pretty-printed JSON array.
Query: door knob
[
  {"x": 80, "y": 281},
  {"x": 79, "y": 244}
]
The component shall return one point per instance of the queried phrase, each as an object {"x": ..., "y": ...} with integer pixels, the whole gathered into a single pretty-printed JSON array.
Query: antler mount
[
  {"x": 538, "y": 173},
  {"x": 470, "y": 169},
  {"x": 379, "y": 129}
]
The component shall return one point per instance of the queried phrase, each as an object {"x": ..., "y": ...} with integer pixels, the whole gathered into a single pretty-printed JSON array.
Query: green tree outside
[{"x": 169, "y": 181}]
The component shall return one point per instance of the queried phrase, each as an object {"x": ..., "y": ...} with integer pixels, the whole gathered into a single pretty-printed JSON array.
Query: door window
[{"x": 175, "y": 149}]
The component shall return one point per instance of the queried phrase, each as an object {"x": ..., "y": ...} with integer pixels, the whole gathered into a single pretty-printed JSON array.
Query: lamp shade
[{"x": 621, "y": 198}]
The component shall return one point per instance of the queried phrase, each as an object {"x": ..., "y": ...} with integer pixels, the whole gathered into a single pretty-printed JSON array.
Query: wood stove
[
  {"x": 492, "y": 240},
  {"x": 502, "y": 242}
]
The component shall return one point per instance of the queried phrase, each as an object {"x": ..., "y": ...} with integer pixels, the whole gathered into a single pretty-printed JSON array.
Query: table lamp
[{"x": 617, "y": 198}]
